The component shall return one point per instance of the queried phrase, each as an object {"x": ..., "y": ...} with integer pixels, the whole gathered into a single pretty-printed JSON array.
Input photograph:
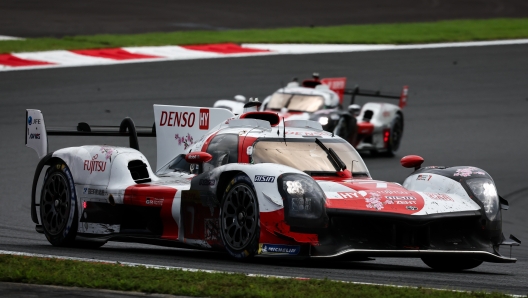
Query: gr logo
[{"x": 204, "y": 119}]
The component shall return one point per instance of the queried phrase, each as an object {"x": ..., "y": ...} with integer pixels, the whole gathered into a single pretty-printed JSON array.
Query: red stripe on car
[{"x": 147, "y": 195}]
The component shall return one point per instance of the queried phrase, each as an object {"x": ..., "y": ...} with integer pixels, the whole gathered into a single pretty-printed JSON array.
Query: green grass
[
  {"x": 178, "y": 282},
  {"x": 408, "y": 33}
]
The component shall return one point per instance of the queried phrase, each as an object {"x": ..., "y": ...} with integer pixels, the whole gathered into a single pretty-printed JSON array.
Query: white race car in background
[{"x": 376, "y": 127}]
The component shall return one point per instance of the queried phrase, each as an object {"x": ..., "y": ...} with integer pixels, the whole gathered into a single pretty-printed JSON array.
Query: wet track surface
[{"x": 467, "y": 106}]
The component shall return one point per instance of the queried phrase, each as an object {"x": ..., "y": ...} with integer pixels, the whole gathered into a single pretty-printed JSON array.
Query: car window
[
  {"x": 224, "y": 149},
  {"x": 178, "y": 164},
  {"x": 305, "y": 155},
  {"x": 296, "y": 102}
]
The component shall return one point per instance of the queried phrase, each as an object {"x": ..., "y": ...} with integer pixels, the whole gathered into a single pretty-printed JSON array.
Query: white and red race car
[
  {"x": 375, "y": 127},
  {"x": 254, "y": 185}
]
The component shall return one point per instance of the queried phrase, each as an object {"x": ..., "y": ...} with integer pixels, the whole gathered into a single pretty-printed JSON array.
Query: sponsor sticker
[
  {"x": 424, "y": 177},
  {"x": 413, "y": 208},
  {"x": 279, "y": 249},
  {"x": 94, "y": 165},
  {"x": 204, "y": 119},
  {"x": 32, "y": 120},
  {"x": 35, "y": 136},
  {"x": 439, "y": 196},
  {"x": 154, "y": 201},
  {"x": 400, "y": 198},
  {"x": 94, "y": 191},
  {"x": 349, "y": 195},
  {"x": 264, "y": 178}
]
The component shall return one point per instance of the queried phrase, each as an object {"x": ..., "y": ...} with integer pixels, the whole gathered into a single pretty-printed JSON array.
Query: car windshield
[
  {"x": 296, "y": 102},
  {"x": 178, "y": 164},
  {"x": 305, "y": 155}
]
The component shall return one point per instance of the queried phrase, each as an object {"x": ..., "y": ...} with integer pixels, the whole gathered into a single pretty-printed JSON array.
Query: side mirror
[
  {"x": 198, "y": 157},
  {"x": 412, "y": 161}
]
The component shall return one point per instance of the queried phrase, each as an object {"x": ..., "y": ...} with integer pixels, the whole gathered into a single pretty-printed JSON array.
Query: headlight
[
  {"x": 304, "y": 201},
  {"x": 323, "y": 121},
  {"x": 484, "y": 189}
]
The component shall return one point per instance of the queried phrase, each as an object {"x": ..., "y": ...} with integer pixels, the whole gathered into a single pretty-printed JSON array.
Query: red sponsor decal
[
  {"x": 179, "y": 119},
  {"x": 204, "y": 119},
  {"x": 94, "y": 165},
  {"x": 439, "y": 196},
  {"x": 371, "y": 199}
]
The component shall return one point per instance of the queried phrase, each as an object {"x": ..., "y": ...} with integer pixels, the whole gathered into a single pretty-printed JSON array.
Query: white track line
[
  {"x": 63, "y": 57},
  {"x": 5, "y": 37},
  {"x": 129, "y": 264},
  {"x": 336, "y": 48}
]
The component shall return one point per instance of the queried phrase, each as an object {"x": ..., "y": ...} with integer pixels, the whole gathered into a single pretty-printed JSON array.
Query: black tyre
[
  {"x": 58, "y": 203},
  {"x": 396, "y": 133},
  {"x": 346, "y": 128},
  {"x": 239, "y": 218},
  {"x": 451, "y": 264}
]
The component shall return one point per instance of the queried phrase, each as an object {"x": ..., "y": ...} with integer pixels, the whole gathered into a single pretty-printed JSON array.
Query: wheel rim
[
  {"x": 55, "y": 204},
  {"x": 239, "y": 217}
]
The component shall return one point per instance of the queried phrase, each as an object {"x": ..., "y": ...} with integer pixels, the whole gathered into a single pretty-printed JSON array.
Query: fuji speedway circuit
[{"x": 466, "y": 106}]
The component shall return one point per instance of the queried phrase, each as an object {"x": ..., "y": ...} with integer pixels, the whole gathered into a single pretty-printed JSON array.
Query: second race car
[{"x": 376, "y": 127}]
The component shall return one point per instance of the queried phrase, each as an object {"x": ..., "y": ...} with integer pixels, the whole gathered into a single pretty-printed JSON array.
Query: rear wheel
[
  {"x": 58, "y": 209},
  {"x": 239, "y": 219},
  {"x": 451, "y": 264},
  {"x": 396, "y": 133},
  {"x": 58, "y": 206}
]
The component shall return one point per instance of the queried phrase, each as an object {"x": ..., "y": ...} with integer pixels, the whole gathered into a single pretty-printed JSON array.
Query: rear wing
[
  {"x": 338, "y": 86},
  {"x": 402, "y": 97},
  {"x": 175, "y": 129},
  {"x": 37, "y": 134}
]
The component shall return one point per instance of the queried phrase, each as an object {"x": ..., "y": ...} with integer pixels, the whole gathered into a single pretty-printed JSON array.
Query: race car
[
  {"x": 377, "y": 127},
  {"x": 253, "y": 185}
]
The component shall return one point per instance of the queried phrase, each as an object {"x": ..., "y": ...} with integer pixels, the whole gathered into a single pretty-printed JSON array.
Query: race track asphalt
[{"x": 467, "y": 106}]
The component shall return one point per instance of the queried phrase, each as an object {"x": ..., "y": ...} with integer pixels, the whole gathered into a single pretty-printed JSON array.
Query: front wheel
[
  {"x": 239, "y": 218},
  {"x": 451, "y": 264},
  {"x": 58, "y": 205}
]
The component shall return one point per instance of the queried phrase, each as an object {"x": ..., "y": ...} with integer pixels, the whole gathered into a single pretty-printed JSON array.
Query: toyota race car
[
  {"x": 377, "y": 127},
  {"x": 254, "y": 185}
]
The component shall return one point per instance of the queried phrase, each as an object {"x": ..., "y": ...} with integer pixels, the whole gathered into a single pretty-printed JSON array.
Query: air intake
[{"x": 138, "y": 171}]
